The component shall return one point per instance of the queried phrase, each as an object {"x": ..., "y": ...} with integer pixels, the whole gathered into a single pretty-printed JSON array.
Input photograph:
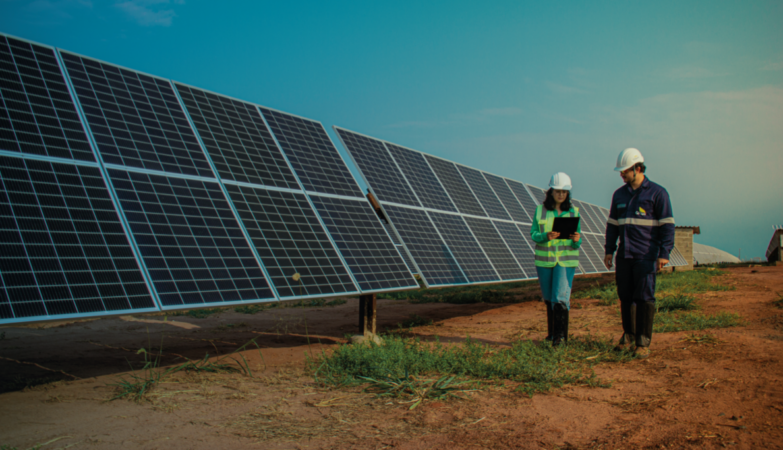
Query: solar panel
[
  {"x": 289, "y": 239},
  {"x": 495, "y": 248},
  {"x": 37, "y": 114},
  {"x": 312, "y": 154},
  {"x": 676, "y": 258},
  {"x": 191, "y": 243},
  {"x": 539, "y": 195},
  {"x": 586, "y": 221},
  {"x": 135, "y": 119},
  {"x": 464, "y": 246},
  {"x": 598, "y": 217},
  {"x": 238, "y": 141},
  {"x": 593, "y": 251},
  {"x": 518, "y": 245},
  {"x": 65, "y": 252},
  {"x": 596, "y": 221},
  {"x": 507, "y": 197},
  {"x": 378, "y": 168},
  {"x": 456, "y": 187},
  {"x": 524, "y": 197},
  {"x": 407, "y": 258},
  {"x": 484, "y": 193},
  {"x": 434, "y": 259},
  {"x": 374, "y": 261},
  {"x": 421, "y": 177}
]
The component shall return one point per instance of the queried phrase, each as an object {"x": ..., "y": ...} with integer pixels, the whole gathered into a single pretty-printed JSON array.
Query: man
[{"x": 641, "y": 216}]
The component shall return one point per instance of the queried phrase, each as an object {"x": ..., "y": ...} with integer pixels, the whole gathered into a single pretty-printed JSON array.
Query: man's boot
[
  {"x": 550, "y": 318},
  {"x": 644, "y": 328},
  {"x": 560, "y": 333},
  {"x": 628, "y": 317}
]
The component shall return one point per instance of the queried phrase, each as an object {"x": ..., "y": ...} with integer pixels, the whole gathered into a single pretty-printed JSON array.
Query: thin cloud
[
  {"x": 773, "y": 65},
  {"x": 562, "y": 89},
  {"x": 149, "y": 13},
  {"x": 678, "y": 73}
]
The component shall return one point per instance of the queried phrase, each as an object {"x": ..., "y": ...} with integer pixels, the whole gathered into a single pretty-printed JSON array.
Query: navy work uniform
[{"x": 643, "y": 221}]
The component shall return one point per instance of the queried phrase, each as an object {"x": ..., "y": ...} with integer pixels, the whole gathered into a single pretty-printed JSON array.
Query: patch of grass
[
  {"x": 316, "y": 303},
  {"x": 606, "y": 294},
  {"x": 414, "y": 320},
  {"x": 419, "y": 389},
  {"x": 675, "y": 302},
  {"x": 668, "y": 322},
  {"x": 252, "y": 309},
  {"x": 496, "y": 293},
  {"x": 536, "y": 368},
  {"x": 198, "y": 313}
]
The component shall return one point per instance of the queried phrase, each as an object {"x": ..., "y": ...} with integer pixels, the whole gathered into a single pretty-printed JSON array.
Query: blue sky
[{"x": 520, "y": 89}]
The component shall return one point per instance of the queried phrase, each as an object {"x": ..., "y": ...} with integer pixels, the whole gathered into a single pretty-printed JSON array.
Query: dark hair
[
  {"x": 639, "y": 166},
  {"x": 550, "y": 204}
]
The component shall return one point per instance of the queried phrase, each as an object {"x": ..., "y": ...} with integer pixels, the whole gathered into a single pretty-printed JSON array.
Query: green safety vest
[{"x": 557, "y": 251}]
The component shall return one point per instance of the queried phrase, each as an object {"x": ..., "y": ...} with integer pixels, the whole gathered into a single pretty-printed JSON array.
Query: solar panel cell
[
  {"x": 379, "y": 168},
  {"x": 586, "y": 221},
  {"x": 484, "y": 193},
  {"x": 598, "y": 217},
  {"x": 437, "y": 264},
  {"x": 237, "y": 139},
  {"x": 517, "y": 242},
  {"x": 289, "y": 239},
  {"x": 524, "y": 198},
  {"x": 37, "y": 114},
  {"x": 64, "y": 249},
  {"x": 507, "y": 198},
  {"x": 136, "y": 119},
  {"x": 593, "y": 250},
  {"x": 313, "y": 156},
  {"x": 456, "y": 187},
  {"x": 190, "y": 241},
  {"x": 421, "y": 178},
  {"x": 374, "y": 261},
  {"x": 504, "y": 262},
  {"x": 464, "y": 246}
]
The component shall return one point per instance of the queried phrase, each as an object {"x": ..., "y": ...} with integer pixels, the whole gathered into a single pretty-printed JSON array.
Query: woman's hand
[
  {"x": 575, "y": 237},
  {"x": 552, "y": 235}
]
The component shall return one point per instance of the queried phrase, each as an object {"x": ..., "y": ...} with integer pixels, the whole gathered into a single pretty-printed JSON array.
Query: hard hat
[
  {"x": 560, "y": 181},
  {"x": 628, "y": 158}
]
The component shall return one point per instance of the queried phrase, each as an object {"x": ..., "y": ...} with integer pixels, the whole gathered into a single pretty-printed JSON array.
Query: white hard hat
[
  {"x": 560, "y": 181},
  {"x": 628, "y": 158}
]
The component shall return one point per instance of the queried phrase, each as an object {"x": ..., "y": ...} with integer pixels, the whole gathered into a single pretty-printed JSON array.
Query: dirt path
[{"x": 721, "y": 393}]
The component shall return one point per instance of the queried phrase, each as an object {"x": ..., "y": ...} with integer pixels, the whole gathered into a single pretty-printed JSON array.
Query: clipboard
[{"x": 566, "y": 226}]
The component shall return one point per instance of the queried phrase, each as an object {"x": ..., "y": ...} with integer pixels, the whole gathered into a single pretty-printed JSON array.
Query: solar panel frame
[
  {"x": 248, "y": 170},
  {"x": 433, "y": 259},
  {"x": 483, "y": 192},
  {"x": 76, "y": 219},
  {"x": 144, "y": 140},
  {"x": 456, "y": 186},
  {"x": 389, "y": 183},
  {"x": 496, "y": 249},
  {"x": 524, "y": 198},
  {"x": 507, "y": 198},
  {"x": 593, "y": 254},
  {"x": 599, "y": 217},
  {"x": 586, "y": 221},
  {"x": 360, "y": 238},
  {"x": 54, "y": 109},
  {"x": 597, "y": 228},
  {"x": 538, "y": 194},
  {"x": 465, "y": 247},
  {"x": 422, "y": 179},
  {"x": 312, "y": 176}
]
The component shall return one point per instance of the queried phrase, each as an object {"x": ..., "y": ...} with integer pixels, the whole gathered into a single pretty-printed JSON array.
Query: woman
[{"x": 556, "y": 256}]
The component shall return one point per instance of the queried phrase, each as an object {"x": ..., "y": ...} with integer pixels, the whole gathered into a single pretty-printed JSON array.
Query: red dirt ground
[{"x": 723, "y": 394}]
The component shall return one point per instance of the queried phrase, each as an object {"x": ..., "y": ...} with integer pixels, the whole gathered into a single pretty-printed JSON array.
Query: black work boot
[
  {"x": 644, "y": 328},
  {"x": 550, "y": 318},
  {"x": 628, "y": 317},
  {"x": 560, "y": 332}
]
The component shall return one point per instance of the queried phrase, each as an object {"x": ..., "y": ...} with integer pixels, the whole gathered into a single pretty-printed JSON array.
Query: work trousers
[
  {"x": 635, "y": 280},
  {"x": 556, "y": 284}
]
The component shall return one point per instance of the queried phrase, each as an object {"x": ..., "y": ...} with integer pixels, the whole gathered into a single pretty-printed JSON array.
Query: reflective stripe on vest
[{"x": 556, "y": 251}]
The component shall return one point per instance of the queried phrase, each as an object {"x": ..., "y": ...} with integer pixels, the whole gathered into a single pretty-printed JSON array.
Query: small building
[
  {"x": 683, "y": 242},
  {"x": 775, "y": 248}
]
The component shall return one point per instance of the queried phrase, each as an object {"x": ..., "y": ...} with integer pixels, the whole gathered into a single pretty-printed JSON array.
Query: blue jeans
[{"x": 556, "y": 284}]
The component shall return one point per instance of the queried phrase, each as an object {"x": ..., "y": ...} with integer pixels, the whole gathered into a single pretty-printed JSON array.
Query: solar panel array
[
  {"x": 124, "y": 192},
  {"x": 459, "y": 224}
]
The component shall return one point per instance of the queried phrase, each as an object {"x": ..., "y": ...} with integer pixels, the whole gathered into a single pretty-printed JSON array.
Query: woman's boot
[{"x": 549, "y": 321}]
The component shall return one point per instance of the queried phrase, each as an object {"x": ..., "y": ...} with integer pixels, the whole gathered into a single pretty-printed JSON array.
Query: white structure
[{"x": 704, "y": 254}]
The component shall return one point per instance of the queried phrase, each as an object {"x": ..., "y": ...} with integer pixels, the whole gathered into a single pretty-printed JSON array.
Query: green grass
[
  {"x": 460, "y": 295},
  {"x": 252, "y": 309},
  {"x": 315, "y": 303},
  {"x": 537, "y": 368},
  {"x": 675, "y": 302},
  {"x": 199, "y": 313},
  {"x": 668, "y": 322},
  {"x": 606, "y": 294},
  {"x": 414, "y": 320}
]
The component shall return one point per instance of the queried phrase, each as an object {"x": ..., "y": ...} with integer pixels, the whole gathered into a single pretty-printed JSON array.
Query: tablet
[{"x": 566, "y": 226}]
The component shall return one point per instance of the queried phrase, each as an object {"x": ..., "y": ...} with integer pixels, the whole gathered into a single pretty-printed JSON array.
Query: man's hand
[
  {"x": 608, "y": 261},
  {"x": 662, "y": 262},
  {"x": 575, "y": 237},
  {"x": 552, "y": 235}
]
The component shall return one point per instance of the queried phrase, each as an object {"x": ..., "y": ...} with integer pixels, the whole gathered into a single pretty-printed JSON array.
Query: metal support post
[{"x": 367, "y": 314}]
